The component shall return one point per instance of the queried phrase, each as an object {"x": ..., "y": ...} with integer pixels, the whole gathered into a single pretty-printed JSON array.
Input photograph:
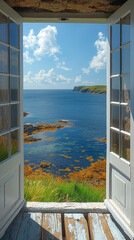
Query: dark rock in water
[
  {"x": 26, "y": 114},
  {"x": 44, "y": 165}
]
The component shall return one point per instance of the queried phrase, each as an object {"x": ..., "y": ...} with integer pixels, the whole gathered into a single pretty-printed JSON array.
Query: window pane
[
  {"x": 14, "y": 142},
  {"x": 4, "y": 91},
  {"x": 4, "y": 118},
  {"x": 14, "y": 57},
  {"x": 125, "y": 147},
  {"x": 116, "y": 35},
  {"x": 3, "y": 59},
  {"x": 114, "y": 142},
  {"x": 116, "y": 62},
  {"x": 126, "y": 60},
  {"x": 14, "y": 115},
  {"x": 3, "y": 28},
  {"x": 125, "y": 29},
  {"x": 14, "y": 34},
  {"x": 125, "y": 120},
  {"x": 14, "y": 82},
  {"x": 126, "y": 89},
  {"x": 3, "y": 147},
  {"x": 115, "y": 116},
  {"x": 115, "y": 89}
]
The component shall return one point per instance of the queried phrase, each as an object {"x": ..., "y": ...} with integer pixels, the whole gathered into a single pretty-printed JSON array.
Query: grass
[{"x": 50, "y": 190}]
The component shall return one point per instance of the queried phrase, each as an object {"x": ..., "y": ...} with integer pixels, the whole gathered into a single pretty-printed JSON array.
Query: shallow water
[{"x": 87, "y": 113}]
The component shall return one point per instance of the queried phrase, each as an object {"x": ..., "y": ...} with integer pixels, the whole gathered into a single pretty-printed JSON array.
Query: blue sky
[{"x": 63, "y": 55}]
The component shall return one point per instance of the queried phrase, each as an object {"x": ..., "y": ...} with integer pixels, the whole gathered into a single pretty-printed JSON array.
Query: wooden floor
[{"x": 54, "y": 226}]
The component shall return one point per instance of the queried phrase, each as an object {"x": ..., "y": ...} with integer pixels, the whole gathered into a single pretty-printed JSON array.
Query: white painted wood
[
  {"x": 68, "y": 207},
  {"x": 76, "y": 227},
  {"x": 12, "y": 170},
  {"x": 120, "y": 173},
  {"x": 51, "y": 226}
]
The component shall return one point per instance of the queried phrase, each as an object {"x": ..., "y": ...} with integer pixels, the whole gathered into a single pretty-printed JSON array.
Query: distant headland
[{"x": 98, "y": 89}]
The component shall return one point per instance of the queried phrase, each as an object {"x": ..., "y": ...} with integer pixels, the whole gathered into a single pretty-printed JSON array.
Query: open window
[{"x": 11, "y": 116}]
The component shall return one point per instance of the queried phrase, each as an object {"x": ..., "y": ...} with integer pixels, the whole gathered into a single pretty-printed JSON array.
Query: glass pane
[
  {"x": 14, "y": 82},
  {"x": 125, "y": 29},
  {"x": 14, "y": 142},
  {"x": 116, "y": 62},
  {"x": 126, "y": 89},
  {"x": 3, "y": 28},
  {"x": 125, "y": 147},
  {"x": 3, "y": 147},
  {"x": 14, "y": 115},
  {"x": 115, "y": 116},
  {"x": 3, "y": 59},
  {"x": 125, "y": 120},
  {"x": 4, "y": 93},
  {"x": 116, "y": 35},
  {"x": 14, "y": 62},
  {"x": 4, "y": 116},
  {"x": 115, "y": 89},
  {"x": 14, "y": 34},
  {"x": 126, "y": 60},
  {"x": 114, "y": 142}
]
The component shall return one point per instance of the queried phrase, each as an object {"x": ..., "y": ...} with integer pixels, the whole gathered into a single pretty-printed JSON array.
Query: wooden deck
[{"x": 66, "y": 226}]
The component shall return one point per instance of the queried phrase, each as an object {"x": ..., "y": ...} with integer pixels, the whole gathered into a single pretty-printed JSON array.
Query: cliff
[{"x": 98, "y": 89}]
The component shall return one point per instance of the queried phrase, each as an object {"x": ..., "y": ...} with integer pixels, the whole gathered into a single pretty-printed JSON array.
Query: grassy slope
[
  {"x": 50, "y": 190},
  {"x": 91, "y": 89}
]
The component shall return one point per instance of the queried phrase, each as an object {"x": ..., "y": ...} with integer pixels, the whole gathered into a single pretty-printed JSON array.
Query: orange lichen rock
[
  {"x": 63, "y": 122},
  {"x": 30, "y": 140},
  {"x": 90, "y": 158},
  {"x": 44, "y": 165},
  {"x": 65, "y": 170},
  {"x": 51, "y": 154},
  {"x": 30, "y": 153},
  {"x": 81, "y": 156},
  {"x": 67, "y": 138},
  {"x": 76, "y": 160},
  {"x": 53, "y": 165},
  {"x": 26, "y": 161},
  {"x": 82, "y": 146},
  {"x": 103, "y": 140},
  {"x": 95, "y": 174},
  {"x": 27, "y": 170},
  {"x": 83, "y": 151},
  {"x": 65, "y": 156}
]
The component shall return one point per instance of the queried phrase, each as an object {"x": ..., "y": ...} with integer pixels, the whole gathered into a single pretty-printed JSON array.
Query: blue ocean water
[{"x": 86, "y": 112}]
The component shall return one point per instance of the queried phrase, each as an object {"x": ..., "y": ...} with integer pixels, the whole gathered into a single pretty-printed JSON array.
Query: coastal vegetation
[
  {"x": 98, "y": 89},
  {"x": 77, "y": 184}
]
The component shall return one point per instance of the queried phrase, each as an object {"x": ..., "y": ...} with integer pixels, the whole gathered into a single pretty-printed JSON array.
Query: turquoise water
[{"x": 86, "y": 112}]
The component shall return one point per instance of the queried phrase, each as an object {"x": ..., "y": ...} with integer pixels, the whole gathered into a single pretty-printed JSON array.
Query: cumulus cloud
[
  {"x": 43, "y": 77},
  {"x": 62, "y": 66},
  {"x": 44, "y": 43},
  {"x": 99, "y": 61},
  {"x": 27, "y": 58},
  {"x": 77, "y": 79},
  {"x": 30, "y": 40}
]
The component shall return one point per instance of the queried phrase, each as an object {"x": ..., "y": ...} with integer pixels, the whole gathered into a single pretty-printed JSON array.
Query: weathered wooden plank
[
  {"x": 12, "y": 231},
  {"x": 68, "y": 207},
  {"x": 76, "y": 227},
  {"x": 30, "y": 228},
  {"x": 106, "y": 227},
  {"x": 117, "y": 234},
  {"x": 95, "y": 227},
  {"x": 51, "y": 226}
]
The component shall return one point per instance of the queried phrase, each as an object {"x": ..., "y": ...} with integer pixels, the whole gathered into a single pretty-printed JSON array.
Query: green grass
[
  {"x": 91, "y": 89},
  {"x": 49, "y": 190}
]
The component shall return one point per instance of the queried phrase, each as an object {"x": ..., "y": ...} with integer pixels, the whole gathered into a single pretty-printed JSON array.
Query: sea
[{"x": 71, "y": 146}]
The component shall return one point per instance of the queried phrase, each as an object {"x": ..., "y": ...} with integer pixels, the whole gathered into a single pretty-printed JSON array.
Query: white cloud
[
  {"x": 43, "y": 77},
  {"x": 30, "y": 40},
  {"x": 27, "y": 58},
  {"x": 77, "y": 79},
  {"x": 63, "y": 67},
  {"x": 86, "y": 70},
  {"x": 99, "y": 61},
  {"x": 27, "y": 78},
  {"x": 46, "y": 41}
]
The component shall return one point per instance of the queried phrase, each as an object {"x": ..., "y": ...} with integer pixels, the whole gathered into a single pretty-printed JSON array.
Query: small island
[{"x": 98, "y": 89}]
